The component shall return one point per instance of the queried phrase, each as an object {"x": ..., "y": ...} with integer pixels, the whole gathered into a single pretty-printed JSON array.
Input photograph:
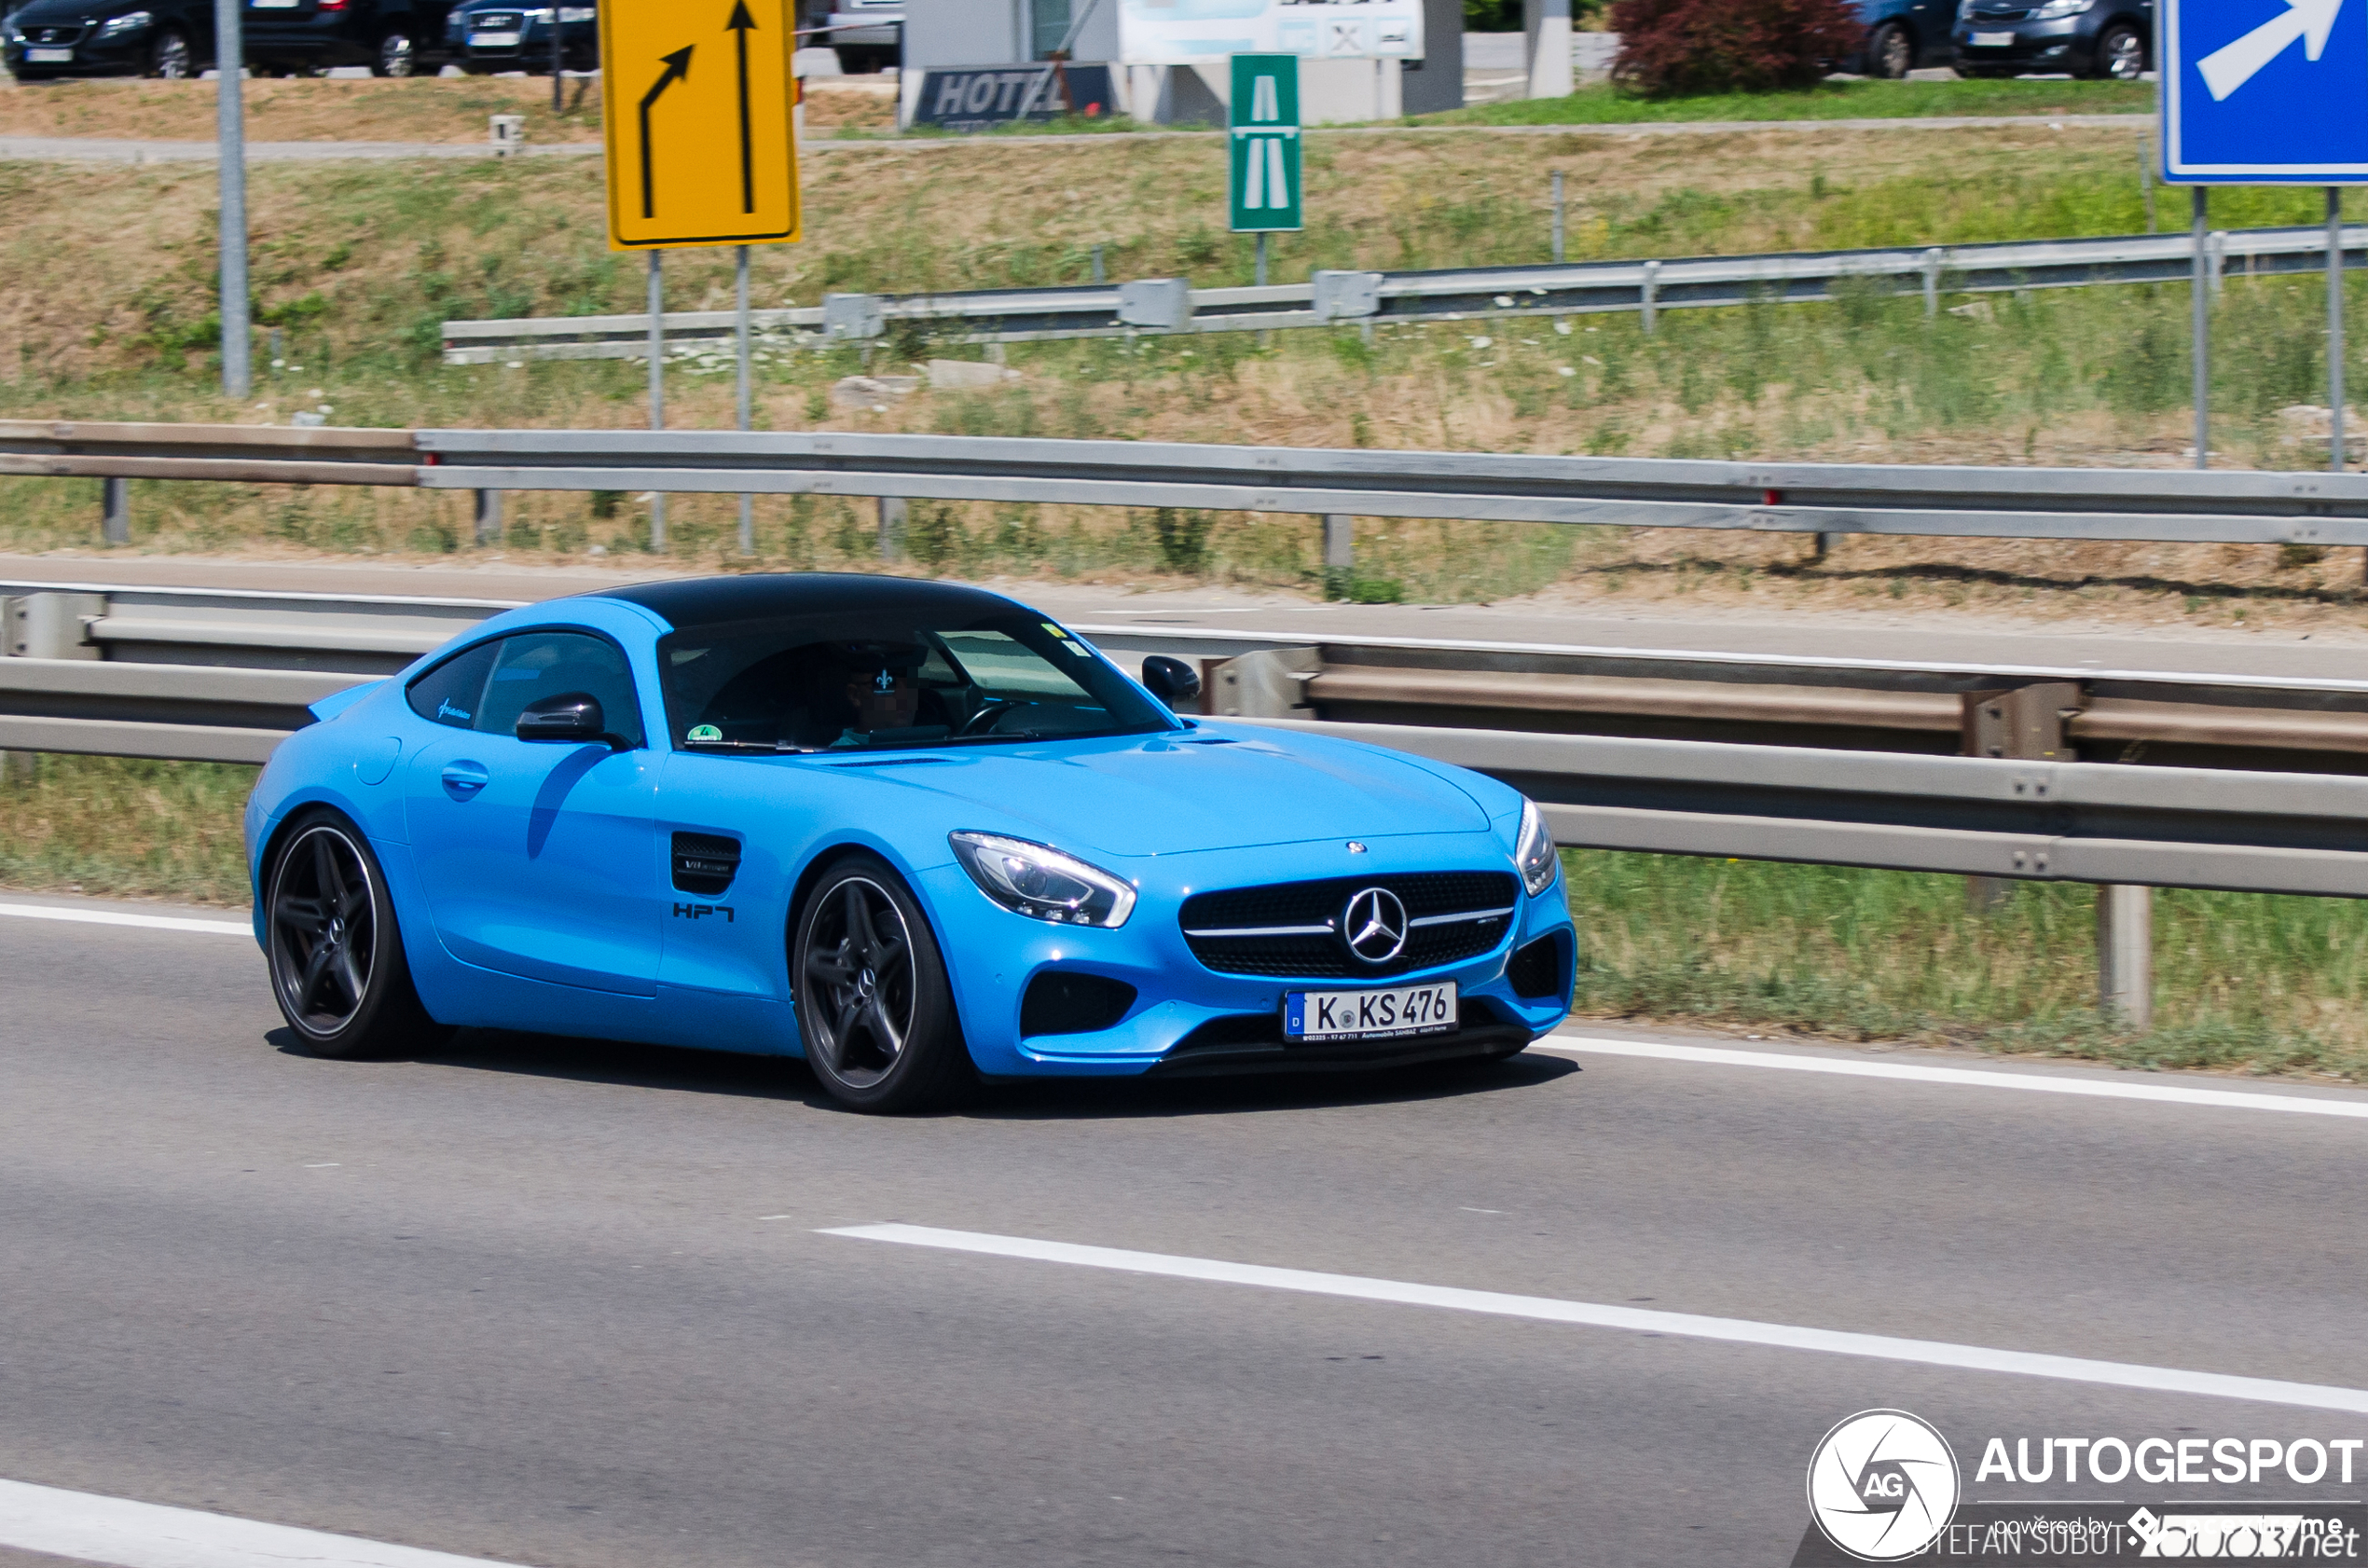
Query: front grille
[
  {"x": 47, "y": 36},
  {"x": 496, "y": 21},
  {"x": 1317, "y": 951}
]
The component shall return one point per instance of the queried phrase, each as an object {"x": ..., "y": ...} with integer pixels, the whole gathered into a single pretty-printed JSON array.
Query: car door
[{"x": 537, "y": 860}]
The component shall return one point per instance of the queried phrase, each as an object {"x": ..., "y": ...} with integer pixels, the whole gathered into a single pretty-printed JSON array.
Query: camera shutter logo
[{"x": 1883, "y": 1485}]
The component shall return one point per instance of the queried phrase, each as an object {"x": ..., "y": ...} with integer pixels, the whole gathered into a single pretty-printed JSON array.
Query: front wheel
[
  {"x": 171, "y": 59},
  {"x": 874, "y": 1005},
  {"x": 396, "y": 56},
  {"x": 338, "y": 968},
  {"x": 2121, "y": 53}
]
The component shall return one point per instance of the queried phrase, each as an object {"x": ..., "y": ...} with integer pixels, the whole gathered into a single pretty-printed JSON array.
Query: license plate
[
  {"x": 494, "y": 40},
  {"x": 1409, "y": 1010},
  {"x": 1993, "y": 40},
  {"x": 49, "y": 57},
  {"x": 272, "y": 4}
]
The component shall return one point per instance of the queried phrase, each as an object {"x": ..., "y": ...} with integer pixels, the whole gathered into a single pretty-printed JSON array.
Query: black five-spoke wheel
[
  {"x": 337, "y": 969},
  {"x": 873, "y": 1002}
]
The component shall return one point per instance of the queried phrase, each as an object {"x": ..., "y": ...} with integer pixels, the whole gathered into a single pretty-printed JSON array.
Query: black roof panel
[{"x": 770, "y": 595}]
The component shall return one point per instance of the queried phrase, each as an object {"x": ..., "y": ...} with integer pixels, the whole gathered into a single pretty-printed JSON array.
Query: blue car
[{"x": 917, "y": 834}]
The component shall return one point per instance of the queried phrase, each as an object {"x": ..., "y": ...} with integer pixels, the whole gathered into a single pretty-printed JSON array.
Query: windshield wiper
[{"x": 769, "y": 747}]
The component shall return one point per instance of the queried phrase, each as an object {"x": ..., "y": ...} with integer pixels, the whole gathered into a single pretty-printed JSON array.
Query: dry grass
[
  {"x": 420, "y": 109},
  {"x": 115, "y": 827},
  {"x": 357, "y": 265}
]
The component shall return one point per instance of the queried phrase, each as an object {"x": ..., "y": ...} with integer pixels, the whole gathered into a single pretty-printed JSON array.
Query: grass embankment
[
  {"x": 451, "y": 110},
  {"x": 358, "y": 266},
  {"x": 2244, "y": 981},
  {"x": 1605, "y": 104}
]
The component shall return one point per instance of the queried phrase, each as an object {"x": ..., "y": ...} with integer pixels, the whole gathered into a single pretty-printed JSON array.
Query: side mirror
[
  {"x": 572, "y": 717},
  {"x": 1172, "y": 681}
]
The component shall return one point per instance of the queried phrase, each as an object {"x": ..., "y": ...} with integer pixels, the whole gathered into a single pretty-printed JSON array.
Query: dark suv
[
  {"x": 168, "y": 38},
  {"x": 392, "y": 37},
  {"x": 2087, "y": 38}
]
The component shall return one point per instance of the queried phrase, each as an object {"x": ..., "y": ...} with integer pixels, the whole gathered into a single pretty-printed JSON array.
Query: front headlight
[
  {"x": 131, "y": 21},
  {"x": 2056, "y": 10},
  {"x": 1042, "y": 883},
  {"x": 1536, "y": 853}
]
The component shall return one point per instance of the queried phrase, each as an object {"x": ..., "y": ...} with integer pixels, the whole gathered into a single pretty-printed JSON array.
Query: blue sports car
[{"x": 916, "y": 833}]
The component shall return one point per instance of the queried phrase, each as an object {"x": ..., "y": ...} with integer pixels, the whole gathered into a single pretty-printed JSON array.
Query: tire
[
  {"x": 1891, "y": 53},
  {"x": 171, "y": 59},
  {"x": 2121, "y": 53},
  {"x": 337, "y": 966},
  {"x": 396, "y": 56},
  {"x": 874, "y": 1005}
]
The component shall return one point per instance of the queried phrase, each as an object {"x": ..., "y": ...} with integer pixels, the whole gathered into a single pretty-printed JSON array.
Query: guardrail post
[
  {"x": 1340, "y": 551},
  {"x": 2125, "y": 954},
  {"x": 115, "y": 511},
  {"x": 488, "y": 516},
  {"x": 1932, "y": 282},
  {"x": 2026, "y": 725},
  {"x": 1558, "y": 217},
  {"x": 894, "y": 509},
  {"x": 1649, "y": 296}
]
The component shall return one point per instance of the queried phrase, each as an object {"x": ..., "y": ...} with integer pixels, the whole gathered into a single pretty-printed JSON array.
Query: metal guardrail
[
  {"x": 2263, "y": 832},
  {"x": 2174, "y": 505},
  {"x": 205, "y": 659},
  {"x": 1334, "y": 297}
]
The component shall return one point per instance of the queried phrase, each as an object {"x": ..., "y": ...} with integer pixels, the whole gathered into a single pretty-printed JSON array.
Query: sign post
[
  {"x": 1263, "y": 188},
  {"x": 2248, "y": 100},
  {"x": 702, "y": 143}
]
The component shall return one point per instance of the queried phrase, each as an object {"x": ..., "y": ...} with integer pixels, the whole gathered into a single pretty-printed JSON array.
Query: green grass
[
  {"x": 2244, "y": 981},
  {"x": 1609, "y": 106},
  {"x": 116, "y": 828}
]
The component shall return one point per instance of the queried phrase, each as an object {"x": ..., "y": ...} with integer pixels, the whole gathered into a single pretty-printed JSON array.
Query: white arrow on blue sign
[{"x": 2265, "y": 92}]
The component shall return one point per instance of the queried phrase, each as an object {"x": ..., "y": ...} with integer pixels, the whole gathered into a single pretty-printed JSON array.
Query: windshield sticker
[{"x": 704, "y": 731}]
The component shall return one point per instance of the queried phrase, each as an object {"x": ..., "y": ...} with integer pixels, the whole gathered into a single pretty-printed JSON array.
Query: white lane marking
[
  {"x": 145, "y": 922},
  {"x": 114, "y": 1530},
  {"x": 2045, "y": 1083},
  {"x": 1548, "y": 1309}
]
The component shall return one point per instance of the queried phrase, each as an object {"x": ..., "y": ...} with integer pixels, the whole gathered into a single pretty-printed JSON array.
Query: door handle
[{"x": 462, "y": 780}]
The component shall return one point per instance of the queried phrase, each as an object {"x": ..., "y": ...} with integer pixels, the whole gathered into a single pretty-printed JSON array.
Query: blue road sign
[{"x": 2265, "y": 92}]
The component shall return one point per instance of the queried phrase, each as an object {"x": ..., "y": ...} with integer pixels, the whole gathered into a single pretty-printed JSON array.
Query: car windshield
[{"x": 830, "y": 683}]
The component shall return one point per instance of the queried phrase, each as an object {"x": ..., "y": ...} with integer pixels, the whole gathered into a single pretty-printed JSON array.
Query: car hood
[
  {"x": 58, "y": 13},
  {"x": 1170, "y": 795}
]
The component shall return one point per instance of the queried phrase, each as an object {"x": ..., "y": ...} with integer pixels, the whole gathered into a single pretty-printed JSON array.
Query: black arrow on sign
[
  {"x": 739, "y": 25},
  {"x": 678, "y": 65}
]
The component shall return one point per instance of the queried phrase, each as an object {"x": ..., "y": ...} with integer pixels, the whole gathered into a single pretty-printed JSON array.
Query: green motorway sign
[{"x": 1265, "y": 184}]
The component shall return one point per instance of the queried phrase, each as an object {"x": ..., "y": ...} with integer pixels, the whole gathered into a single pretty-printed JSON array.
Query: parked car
[
  {"x": 2086, "y": 37},
  {"x": 867, "y": 35},
  {"x": 489, "y": 36},
  {"x": 392, "y": 37},
  {"x": 169, "y": 38},
  {"x": 913, "y": 831},
  {"x": 1903, "y": 36}
]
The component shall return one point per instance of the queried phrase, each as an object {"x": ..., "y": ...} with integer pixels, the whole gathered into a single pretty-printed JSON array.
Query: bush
[{"x": 1671, "y": 47}]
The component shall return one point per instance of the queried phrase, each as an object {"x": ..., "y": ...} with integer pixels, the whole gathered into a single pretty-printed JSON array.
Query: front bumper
[
  {"x": 124, "y": 54},
  {"x": 2061, "y": 44},
  {"x": 1190, "y": 1019}
]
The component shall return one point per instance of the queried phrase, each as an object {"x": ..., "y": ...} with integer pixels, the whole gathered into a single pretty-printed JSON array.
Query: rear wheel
[
  {"x": 170, "y": 59},
  {"x": 1891, "y": 53},
  {"x": 337, "y": 969},
  {"x": 874, "y": 1005},
  {"x": 2121, "y": 53}
]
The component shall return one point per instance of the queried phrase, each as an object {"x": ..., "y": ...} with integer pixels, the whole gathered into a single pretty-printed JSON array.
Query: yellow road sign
[{"x": 699, "y": 100}]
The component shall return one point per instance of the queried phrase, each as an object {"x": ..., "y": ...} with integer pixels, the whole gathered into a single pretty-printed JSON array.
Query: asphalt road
[
  {"x": 1922, "y": 637},
  {"x": 569, "y": 1305}
]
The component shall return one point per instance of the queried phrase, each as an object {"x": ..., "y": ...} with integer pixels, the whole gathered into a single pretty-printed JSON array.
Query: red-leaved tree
[{"x": 1671, "y": 47}]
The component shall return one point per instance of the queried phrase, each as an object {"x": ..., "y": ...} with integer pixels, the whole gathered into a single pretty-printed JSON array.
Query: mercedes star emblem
[{"x": 1374, "y": 925}]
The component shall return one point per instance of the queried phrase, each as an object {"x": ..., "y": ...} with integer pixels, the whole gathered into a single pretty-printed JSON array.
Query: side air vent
[
  {"x": 1539, "y": 972},
  {"x": 1060, "y": 1003},
  {"x": 705, "y": 864}
]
